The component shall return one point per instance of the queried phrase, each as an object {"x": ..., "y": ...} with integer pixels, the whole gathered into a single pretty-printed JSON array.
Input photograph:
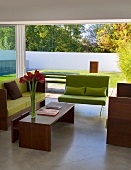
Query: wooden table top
[{"x": 49, "y": 120}]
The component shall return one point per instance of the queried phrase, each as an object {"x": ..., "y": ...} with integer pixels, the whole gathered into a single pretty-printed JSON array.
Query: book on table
[
  {"x": 55, "y": 107},
  {"x": 47, "y": 112}
]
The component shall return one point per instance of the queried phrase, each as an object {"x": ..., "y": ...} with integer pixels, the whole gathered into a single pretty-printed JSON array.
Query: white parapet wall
[
  {"x": 72, "y": 61},
  {"x": 65, "y": 60}
]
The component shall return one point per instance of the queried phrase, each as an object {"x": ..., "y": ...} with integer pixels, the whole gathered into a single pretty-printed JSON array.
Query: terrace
[{"x": 80, "y": 146}]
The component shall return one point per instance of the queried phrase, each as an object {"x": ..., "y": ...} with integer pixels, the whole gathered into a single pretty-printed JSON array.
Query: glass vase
[{"x": 33, "y": 107}]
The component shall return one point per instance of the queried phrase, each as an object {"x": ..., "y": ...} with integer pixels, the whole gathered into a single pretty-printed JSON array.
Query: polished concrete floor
[{"x": 78, "y": 146}]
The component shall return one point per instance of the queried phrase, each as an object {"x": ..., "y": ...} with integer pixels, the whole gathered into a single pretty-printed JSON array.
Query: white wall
[
  {"x": 72, "y": 61},
  {"x": 65, "y": 60}
]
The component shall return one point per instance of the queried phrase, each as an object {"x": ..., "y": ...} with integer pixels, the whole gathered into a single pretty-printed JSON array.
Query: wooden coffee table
[{"x": 36, "y": 133}]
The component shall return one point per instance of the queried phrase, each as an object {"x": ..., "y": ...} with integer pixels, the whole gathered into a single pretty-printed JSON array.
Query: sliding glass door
[{"x": 7, "y": 52}]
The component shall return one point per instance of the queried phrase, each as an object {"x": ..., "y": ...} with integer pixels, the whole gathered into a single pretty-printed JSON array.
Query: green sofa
[
  {"x": 86, "y": 89},
  {"x": 10, "y": 109}
]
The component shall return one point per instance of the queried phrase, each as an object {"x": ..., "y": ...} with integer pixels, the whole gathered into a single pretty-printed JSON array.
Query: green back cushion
[
  {"x": 95, "y": 81},
  {"x": 99, "y": 92},
  {"x": 21, "y": 86},
  {"x": 74, "y": 90},
  {"x": 1, "y": 85}
]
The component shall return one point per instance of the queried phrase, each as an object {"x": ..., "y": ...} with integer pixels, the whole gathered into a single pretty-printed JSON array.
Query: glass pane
[{"x": 7, "y": 52}]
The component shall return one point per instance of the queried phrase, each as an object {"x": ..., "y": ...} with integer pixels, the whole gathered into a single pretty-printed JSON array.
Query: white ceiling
[{"x": 61, "y": 11}]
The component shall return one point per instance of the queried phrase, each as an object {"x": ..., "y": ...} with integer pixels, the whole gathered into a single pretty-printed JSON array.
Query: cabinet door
[{"x": 119, "y": 121}]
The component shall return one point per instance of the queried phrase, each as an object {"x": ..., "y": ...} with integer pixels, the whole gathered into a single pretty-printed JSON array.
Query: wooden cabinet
[
  {"x": 119, "y": 122},
  {"x": 119, "y": 118}
]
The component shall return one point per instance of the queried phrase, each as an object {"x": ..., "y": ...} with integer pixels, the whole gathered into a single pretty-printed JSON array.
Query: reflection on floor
[
  {"x": 55, "y": 90},
  {"x": 78, "y": 146}
]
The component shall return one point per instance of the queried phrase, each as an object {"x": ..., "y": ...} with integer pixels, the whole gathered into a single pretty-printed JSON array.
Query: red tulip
[
  {"x": 32, "y": 80},
  {"x": 30, "y": 76},
  {"x": 23, "y": 79},
  {"x": 36, "y": 77}
]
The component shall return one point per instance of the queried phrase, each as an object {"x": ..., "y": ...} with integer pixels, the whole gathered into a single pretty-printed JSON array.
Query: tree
[
  {"x": 54, "y": 38},
  {"x": 7, "y": 38},
  {"x": 89, "y": 41},
  {"x": 110, "y": 36},
  {"x": 124, "y": 62},
  {"x": 91, "y": 32}
]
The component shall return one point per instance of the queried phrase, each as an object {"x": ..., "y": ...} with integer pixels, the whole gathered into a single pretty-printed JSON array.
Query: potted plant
[{"x": 32, "y": 79}]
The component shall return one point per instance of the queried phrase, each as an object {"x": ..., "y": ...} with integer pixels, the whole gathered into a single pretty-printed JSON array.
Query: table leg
[
  {"x": 68, "y": 117},
  {"x": 35, "y": 136}
]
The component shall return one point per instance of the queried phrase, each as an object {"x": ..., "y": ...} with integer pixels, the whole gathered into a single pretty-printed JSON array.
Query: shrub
[{"x": 124, "y": 62}]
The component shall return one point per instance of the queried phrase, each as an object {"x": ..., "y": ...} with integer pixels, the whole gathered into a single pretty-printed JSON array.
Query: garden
[{"x": 115, "y": 77}]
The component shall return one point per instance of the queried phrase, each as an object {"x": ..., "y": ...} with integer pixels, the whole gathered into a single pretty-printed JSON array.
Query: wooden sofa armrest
[
  {"x": 3, "y": 101},
  {"x": 3, "y": 109},
  {"x": 123, "y": 90}
]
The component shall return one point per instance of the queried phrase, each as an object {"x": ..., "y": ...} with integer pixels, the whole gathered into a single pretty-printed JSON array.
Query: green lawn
[
  {"x": 114, "y": 76},
  {"x": 7, "y": 77}
]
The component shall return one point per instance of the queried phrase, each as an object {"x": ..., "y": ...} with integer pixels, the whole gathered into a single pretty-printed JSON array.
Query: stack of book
[{"x": 49, "y": 110}]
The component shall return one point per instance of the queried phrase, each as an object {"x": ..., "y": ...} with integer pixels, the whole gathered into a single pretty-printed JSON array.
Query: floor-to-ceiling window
[
  {"x": 7, "y": 51},
  {"x": 12, "y": 51}
]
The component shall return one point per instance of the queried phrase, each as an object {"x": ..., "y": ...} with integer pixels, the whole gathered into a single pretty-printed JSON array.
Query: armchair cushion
[
  {"x": 74, "y": 90},
  {"x": 99, "y": 92}
]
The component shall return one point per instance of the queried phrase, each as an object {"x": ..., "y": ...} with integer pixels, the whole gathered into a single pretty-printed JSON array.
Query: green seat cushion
[
  {"x": 14, "y": 106},
  {"x": 98, "y": 92},
  {"x": 74, "y": 90},
  {"x": 83, "y": 99},
  {"x": 22, "y": 103}
]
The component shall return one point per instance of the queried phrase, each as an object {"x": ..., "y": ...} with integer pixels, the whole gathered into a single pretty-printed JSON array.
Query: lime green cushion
[
  {"x": 100, "y": 92},
  {"x": 74, "y": 90},
  {"x": 95, "y": 81},
  {"x": 14, "y": 106},
  {"x": 83, "y": 99},
  {"x": 22, "y": 86},
  {"x": 1, "y": 85}
]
